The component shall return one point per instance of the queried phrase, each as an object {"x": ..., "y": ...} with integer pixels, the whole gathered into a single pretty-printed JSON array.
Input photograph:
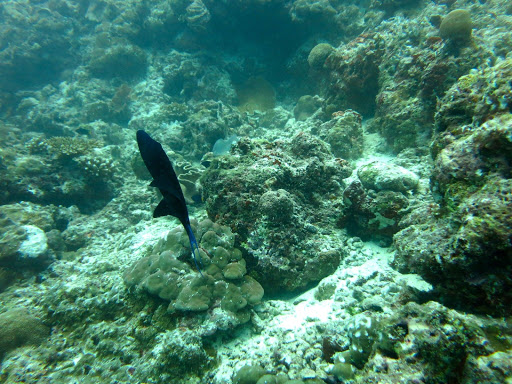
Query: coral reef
[
  {"x": 313, "y": 133},
  {"x": 64, "y": 148},
  {"x": 205, "y": 123},
  {"x": 197, "y": 15},
  {"x": 390, "y": 6},
  {"x": 312, "y": 10},
  {"x": 464, "y": 251},
  {"x": 187, "y": 76},
  {"x": 476, "y": 97},
  {"x": 354, "y": 75},
  {"x": 61, "y": 171},
  {"x": 275, "y": 196},
  {"x": 35, "y": 53}
]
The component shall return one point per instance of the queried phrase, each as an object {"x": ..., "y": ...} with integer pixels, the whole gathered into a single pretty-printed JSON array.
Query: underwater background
[{"x": 347, "y": 170}]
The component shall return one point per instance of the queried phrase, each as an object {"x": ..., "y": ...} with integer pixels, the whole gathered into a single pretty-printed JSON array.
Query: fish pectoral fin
[
  {"x": 162, "y": 209},
  {"x": 156, "y": 184}
]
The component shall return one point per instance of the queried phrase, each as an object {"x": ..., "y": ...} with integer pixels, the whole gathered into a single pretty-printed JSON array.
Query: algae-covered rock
[
  {"x": 6, "y": 277},
  {"x": 476, "y": 97},
  {"x": 125, "y": 61},
  {"x": 26, "y": 213},
  {"x": 464, "y": 250},
  {"x": 372, "y": 215},
  {"x": 35, "y": 244},
  {"x": 28, "y": 240},
  {"x": 277, "y": 206},
  {"x": 354, "y": 75},
  {"x": 181, "y": 351},
  {"x": 10, "y": 241},
  {"x": 445, "y": 344},
  {"x": 465, "y": 255},
  {"x": 494, "y": 368},
  {"x": 344, "y": 132},
  {"x": 248, "y": 374},
  {"x": 23, "y": 246},
  {"x": 270, "y": 192},
  {"x": 412, "y": 81},
  {"x": 386, "y": 176}
]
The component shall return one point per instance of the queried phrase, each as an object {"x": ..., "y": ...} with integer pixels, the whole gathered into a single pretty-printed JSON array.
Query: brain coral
[
  {"x": 318, "y": 54},
  {"x": 18, "y": 327},
  {"x": 456, "y": 25}
]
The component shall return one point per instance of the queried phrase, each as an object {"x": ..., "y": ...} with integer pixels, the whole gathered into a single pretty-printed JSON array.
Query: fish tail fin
[{"x": 195, "y": 247}]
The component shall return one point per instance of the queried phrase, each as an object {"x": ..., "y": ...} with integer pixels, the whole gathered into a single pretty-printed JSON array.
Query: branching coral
[{"x": 65, "y": 147}]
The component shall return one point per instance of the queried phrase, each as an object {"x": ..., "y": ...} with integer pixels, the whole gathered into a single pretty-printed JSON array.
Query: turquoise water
[{"x": 345, "y": 166}]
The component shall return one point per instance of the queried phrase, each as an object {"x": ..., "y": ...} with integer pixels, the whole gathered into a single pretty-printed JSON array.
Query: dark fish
[{"x": 164, "y": 178}]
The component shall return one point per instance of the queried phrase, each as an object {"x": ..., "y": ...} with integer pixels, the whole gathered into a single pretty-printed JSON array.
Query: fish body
[{"x": 165, "y": 179}]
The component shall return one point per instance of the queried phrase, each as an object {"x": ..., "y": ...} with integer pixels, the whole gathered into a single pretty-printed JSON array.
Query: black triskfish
[{"x": 164, "y": 178}]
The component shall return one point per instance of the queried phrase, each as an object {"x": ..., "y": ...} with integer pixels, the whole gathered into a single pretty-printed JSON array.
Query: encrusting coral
[{"x": 225, "y": 287}]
